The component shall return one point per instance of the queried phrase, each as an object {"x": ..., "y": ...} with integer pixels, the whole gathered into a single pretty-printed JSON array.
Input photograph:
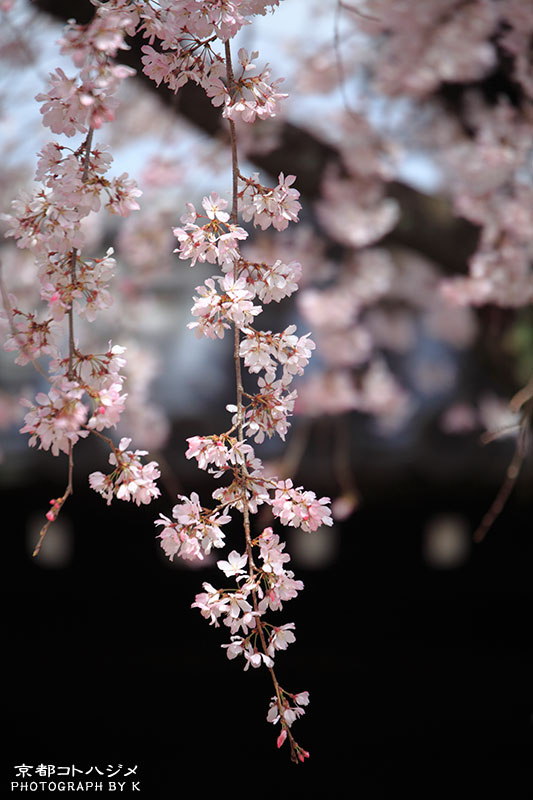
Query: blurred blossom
[
  {"x": 142, "y": 415},
  {"x": 11, "y": 411},
  {"x": 446, "y": 542},
  {"x": 317, "y": 551},
  {"x": 392, "y": 329},
  {"x": 434, "y": 376},
  {"x": 459, "y": 418},
  {"x": 160, "y": 171},
  {"x": 496, "y": 416},
  {"x": 344, "y": 505},
  {"x": 454, "y": 325},
  {"x": 145, "y": 241},
  {"x": 355, "y": 213}
]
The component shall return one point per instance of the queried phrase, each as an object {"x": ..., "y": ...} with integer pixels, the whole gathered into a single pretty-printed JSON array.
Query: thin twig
[
  {"x": 339, "y": 59},
  {"x": 342, "y": 463},
  {"x": 58, "y": 503},
  {"x": 233, "y": 138},
  {"x": 86, "y": 149},
  {"x": 70, "y": 317},
  {"x": 513, "y": 471},
  {"x": 522, "y": 403},
  {"x": 295, "y": 450},
  {"x": 354, "y": 10}
]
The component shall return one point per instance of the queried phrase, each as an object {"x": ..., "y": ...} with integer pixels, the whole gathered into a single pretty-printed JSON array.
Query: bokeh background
[{"x": 413, "y": 642}]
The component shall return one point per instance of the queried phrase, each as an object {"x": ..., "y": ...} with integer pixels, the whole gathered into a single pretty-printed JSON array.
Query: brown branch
[
  {"x": 522, "y": 402},
  {"x": 356, "y": 11},
  {"x": 342, "y": 463},
  {"x": 295, "y": 449},
  {"x": 513, "y": 471},
  {"x": 86, "y": 151}
]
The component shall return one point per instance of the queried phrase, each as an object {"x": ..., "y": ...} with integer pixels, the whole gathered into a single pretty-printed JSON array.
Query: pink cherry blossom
[
  {"x": 277, "y": 206},
  {"x": 300, "y": 508},
  {"x": 234, "y": 565},
  {"x": 56, "y": 422},
  {"x": 195, "y": 530},
  {"x": 130, "y": 480}
]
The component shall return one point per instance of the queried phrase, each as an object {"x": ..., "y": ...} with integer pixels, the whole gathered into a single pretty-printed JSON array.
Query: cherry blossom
[
  {"x": 300, "y": 508},
  {"x": 130, "y": 480},
  {"x": 216, "y": 241},
  {"x": 265, "y": 206},
  {"x": 281, "y": 638},
  {"x": 56, "y": 422},
  {"x": 216, "y": 310},
  {"x": 252, "y": 96},
  {"x": 260, "y": 348},
  {"x": 272, "y": 282},
  {"x": 218, "y": 451},
  {"x": 234, "y": 565},
  {"x": 195, "y": 530},
  {"x": 30, "y": 338}
]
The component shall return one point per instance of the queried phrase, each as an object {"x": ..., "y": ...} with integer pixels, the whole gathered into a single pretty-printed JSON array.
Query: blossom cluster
[
  {"x": 485, "y": 159},
  {"x": 226, "y": 302},
  {"x": 479, "y": 150},
  {"x": 223, "y": 303},
  {"x": 251, "y": 96},
  {"x": 272, "y": 583},
  {"x": 130, "y": 480},
  {"x": 195, "y": 529},
  {"x": 186, "y": 35},
  {"x": 267, "y": 206},
  {"x": 86, "y": 393},
  {"x": 491, "y": 187},
  {"x": 217, "y": 239},
  {"x": 258, "y": 589}
]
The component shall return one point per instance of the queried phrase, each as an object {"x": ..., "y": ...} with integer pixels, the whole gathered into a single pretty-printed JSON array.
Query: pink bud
[
  {"x": 50, "y": 516},
  {"x": 281, "y": 738}
]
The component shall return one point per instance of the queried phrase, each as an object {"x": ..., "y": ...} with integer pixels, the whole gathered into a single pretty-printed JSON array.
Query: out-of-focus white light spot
[
  {"x": 314, "y": 550},
  {"x": 57, "y": 547},
  {"x": 344, "y": 505},
  {"x": 446, "y": 543}
]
